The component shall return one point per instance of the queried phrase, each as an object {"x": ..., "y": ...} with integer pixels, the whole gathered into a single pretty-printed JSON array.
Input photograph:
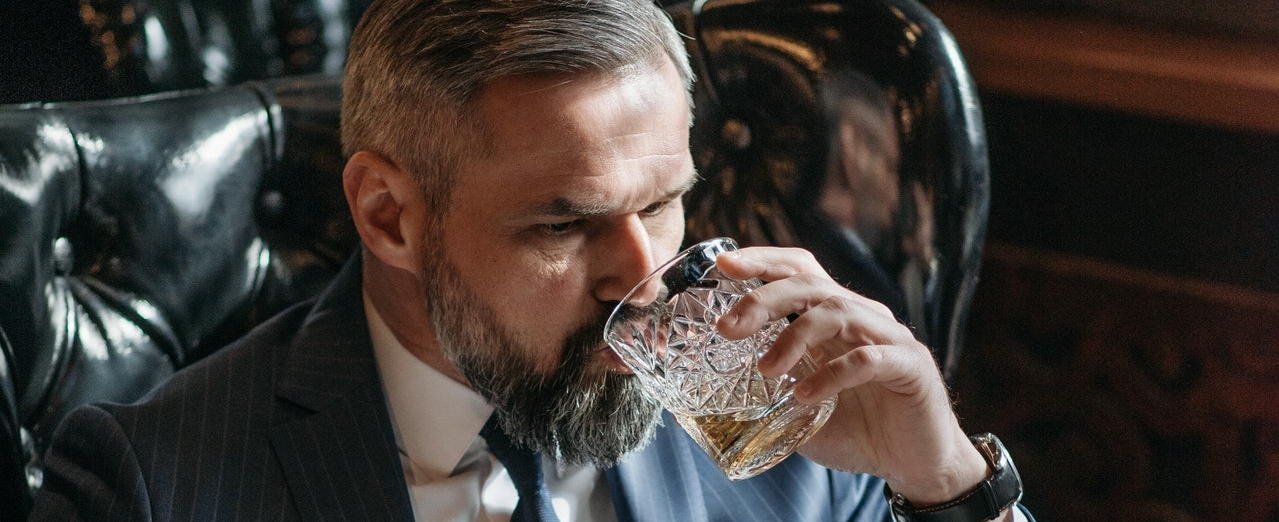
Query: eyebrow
[{"x": 565, "y": 207}]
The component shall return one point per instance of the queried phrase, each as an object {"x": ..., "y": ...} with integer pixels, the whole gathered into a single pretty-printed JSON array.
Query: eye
[
  {"x": 560, "y": 228},
  {"x": 655, "y": 208}
]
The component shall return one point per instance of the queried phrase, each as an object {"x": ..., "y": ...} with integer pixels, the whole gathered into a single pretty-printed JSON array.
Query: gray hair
[{"x": 417, "y": 67}]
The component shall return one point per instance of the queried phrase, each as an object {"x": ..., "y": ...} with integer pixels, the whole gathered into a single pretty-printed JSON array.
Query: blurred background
[
  {"x": 1124, "y": 340},
  {"x": 1125, "y": 332}
]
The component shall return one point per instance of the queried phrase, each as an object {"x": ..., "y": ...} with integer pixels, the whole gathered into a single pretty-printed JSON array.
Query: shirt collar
[{"x": 435, "y": 418}]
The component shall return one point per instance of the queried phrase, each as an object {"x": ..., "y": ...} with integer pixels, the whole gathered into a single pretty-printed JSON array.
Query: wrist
[
  {"x": 954, "y": 476},
  {"x": 988, "y": 500}
]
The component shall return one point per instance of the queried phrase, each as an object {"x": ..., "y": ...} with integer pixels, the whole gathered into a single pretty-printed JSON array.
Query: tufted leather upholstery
[
  {"x": 64, "y": 50},
  {"x": 13, "y": 483},
  {"x": 139, "y": 234},
  {"x": 145, "y": 232}
]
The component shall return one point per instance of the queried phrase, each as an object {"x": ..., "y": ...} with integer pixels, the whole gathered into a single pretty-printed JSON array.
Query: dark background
[{"x": 1125, "y": 336}]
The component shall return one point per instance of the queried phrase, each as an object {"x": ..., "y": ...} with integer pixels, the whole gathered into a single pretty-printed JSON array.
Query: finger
[
  {"x": 836, "y": 325},
  {"x": 894, "y": 366},
  {"x": 768, "y": 263},
  {"x": 800, "y": 294},
  {"x": 774, "y": 301}
]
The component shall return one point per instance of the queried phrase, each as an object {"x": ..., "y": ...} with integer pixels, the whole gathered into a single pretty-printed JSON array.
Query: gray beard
[{"x": 579, "y": 413}]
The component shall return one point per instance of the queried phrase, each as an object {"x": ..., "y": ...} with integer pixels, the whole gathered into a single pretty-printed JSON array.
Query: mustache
[
  {"x": 583, "y": 342},
  {"x": 581, "y": 412}
]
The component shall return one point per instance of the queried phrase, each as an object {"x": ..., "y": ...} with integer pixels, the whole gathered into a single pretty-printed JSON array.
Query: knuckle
[
  {"x": 752, "y": 299},
  {"x": 880, "y": 308},
  {"x": 846, "y": 368},
  {"x": 807, "y": 257},
  {"x": 809, "y": 278},
  {"x": 841, "y": 304},
  {"x": 843, "y": 368},
  {"x": 864, "y": 357}
]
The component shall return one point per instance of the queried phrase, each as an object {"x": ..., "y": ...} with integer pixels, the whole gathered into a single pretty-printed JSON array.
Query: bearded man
[{"x": 515, "y": 168}]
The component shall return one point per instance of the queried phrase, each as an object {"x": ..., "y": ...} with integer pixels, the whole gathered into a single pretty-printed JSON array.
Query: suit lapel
[{"x": 339, "y": 456}]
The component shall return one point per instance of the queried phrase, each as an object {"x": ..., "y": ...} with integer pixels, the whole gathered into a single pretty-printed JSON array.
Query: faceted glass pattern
[
  {"x": 746, "y": 423},
  {"x": 675, "y": 351}
]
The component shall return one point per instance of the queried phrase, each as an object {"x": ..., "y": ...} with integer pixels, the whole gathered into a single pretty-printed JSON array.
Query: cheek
[
  {"x": 539, "y": 302},
  {"x": 544, "y": 291}
]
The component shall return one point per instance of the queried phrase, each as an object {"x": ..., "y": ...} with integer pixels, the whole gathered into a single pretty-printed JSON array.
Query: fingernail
[{"x": 736, "y": 257}]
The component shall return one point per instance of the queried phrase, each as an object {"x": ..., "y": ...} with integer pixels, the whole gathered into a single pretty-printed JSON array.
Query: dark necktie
[{"x": 525, "y": 469}]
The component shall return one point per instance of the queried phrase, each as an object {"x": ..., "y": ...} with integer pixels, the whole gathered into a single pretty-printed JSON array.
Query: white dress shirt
[{"x": 450, "y": 474}]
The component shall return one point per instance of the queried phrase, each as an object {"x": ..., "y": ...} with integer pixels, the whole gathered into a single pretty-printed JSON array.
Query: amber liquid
[{"x": 743, "y": 448}]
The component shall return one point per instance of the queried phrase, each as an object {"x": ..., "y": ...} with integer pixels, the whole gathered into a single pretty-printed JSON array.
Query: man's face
[{"x": 577, "y": 201}]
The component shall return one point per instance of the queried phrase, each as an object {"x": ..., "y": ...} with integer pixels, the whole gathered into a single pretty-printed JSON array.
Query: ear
[{"x": 388, "y": 208}]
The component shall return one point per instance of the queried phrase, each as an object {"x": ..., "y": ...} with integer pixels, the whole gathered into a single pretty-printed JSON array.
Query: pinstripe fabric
[
  {"x": 291, "y": 424},
  {"x": 673, "y": 479},
  {"x": 288, "y": 424}
]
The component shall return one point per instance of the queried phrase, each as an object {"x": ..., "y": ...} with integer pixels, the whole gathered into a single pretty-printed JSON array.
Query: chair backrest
[
  {"x": 67, "y": 50},
  {"x": 13, "y": 481},
  {"x": 851, "y": 128},
  {"x": 140, "y": 234}
]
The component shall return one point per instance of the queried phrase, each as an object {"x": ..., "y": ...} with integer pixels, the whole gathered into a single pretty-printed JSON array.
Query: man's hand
[{"x": 894, "y": 418}]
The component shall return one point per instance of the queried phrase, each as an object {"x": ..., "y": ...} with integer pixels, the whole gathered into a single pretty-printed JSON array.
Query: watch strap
[{"x": 997, "y": 492}]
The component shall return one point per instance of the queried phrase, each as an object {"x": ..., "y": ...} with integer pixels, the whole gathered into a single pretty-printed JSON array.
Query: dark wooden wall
[{"x": 1124, "y": 340}]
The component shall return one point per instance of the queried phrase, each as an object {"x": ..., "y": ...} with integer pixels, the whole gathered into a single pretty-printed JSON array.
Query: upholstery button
[
  {"x": 32, "y": 466},
  {"x": 63, "y": 256}
]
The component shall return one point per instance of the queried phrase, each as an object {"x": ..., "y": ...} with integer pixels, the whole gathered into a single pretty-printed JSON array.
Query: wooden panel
[
  {"x": 1181, "y": 199},
  {"x": 1126, "y": 394},
  {"x": 1216, "y": 80}
]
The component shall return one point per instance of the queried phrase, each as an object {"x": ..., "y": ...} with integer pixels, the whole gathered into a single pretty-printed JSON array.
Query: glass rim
[{"x": 712, "y": 247}]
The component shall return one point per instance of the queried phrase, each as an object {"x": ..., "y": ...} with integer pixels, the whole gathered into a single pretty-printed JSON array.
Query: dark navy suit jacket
[{"x": 291, "y": 424}]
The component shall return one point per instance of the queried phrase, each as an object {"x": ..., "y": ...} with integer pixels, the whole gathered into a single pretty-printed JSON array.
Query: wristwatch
[{"x": 999, "y": 491}]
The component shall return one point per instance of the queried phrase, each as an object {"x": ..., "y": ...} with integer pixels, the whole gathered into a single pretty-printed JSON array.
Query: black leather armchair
[
  {"x": 143, "y": 233},
  {"x": 65, "y": 50},
  {"x": 851, "y": 128},
  {"x": 140, "y": 234}
]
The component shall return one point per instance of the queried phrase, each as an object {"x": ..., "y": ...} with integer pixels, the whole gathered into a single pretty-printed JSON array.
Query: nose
[{"x": 626, "y": 258}]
